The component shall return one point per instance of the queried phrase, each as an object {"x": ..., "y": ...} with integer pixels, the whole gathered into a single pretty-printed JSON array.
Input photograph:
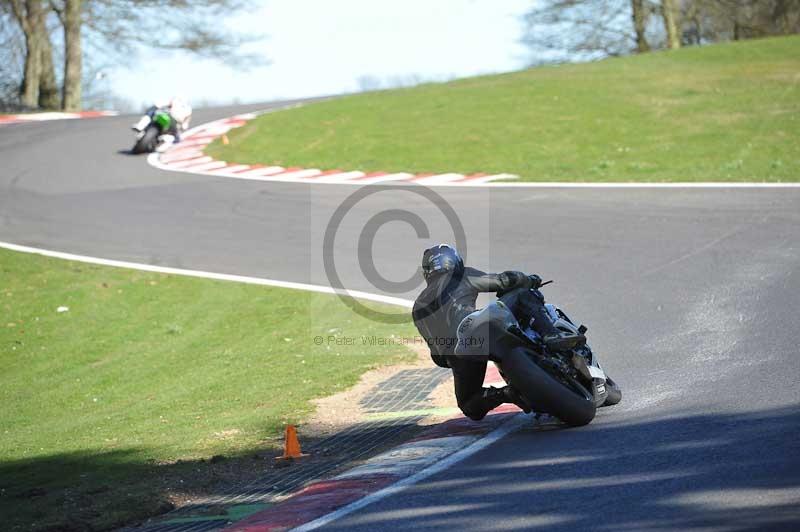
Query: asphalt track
[{"x": 691, "y": 296}]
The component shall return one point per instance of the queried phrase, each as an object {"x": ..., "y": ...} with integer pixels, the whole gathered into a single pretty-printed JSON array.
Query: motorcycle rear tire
[
  {"x": 148, "y": 142},
  {"x": 545, "y": 391}
]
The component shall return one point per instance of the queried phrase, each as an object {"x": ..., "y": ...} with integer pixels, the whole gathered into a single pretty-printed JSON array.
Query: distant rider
[
  {"x": 177, "y": 107},
  {"x": 450, "y": 296}
]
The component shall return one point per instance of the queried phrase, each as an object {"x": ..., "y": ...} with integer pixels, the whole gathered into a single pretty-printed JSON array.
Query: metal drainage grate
[{"x": 407, "y": 390}]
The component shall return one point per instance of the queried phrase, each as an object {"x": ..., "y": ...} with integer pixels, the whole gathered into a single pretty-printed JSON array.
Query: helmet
[{"x": 440, "y": 259}]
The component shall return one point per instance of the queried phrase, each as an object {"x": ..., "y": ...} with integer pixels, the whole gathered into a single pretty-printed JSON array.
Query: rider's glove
[{"x": 535, "y": 281}]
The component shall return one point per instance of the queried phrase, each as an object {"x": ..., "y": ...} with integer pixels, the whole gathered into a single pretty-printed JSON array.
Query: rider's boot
[
  {"x": 513, "y": 396},
  {"x": 563, "y": 341},
  {"x": 480, "y": 405}
]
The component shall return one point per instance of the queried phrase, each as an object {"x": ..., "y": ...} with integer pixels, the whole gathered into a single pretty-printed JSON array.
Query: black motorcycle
[{"x": 569, "y": 385}]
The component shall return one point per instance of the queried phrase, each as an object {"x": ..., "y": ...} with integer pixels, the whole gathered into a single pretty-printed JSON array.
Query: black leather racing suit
[{"x": 447, "y": 300}]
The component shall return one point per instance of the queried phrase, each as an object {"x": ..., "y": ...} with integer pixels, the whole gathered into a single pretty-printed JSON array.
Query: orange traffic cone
[
  {"x": 291, "y": 446},
  {"x": 225, "y": 140}
]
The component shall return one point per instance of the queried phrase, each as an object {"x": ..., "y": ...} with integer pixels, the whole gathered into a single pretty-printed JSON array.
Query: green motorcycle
[{"x": 155, "y": 128}]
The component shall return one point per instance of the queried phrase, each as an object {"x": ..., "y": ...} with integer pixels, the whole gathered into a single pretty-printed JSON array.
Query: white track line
[
  {"x": 338, "y": 178},
  {"x": 48, "y": 116},
  {"x": 402, "y": 176},
  {"x": 405, "y": 303},
  {"x": 439, "y": 179},
  {"x": 509, "y": 426},
  {"x": 222, "y": 126}
]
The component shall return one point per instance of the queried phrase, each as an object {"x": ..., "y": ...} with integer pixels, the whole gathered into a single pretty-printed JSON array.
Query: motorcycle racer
[
  {"x": 450, "y": 295},
  {"x": 178, "y": 108}
]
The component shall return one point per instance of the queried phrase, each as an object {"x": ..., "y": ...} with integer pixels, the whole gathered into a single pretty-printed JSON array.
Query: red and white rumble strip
[
  {"x": 437, "y": 448},
  {"x": 188, "y": 156},
  {"x": 42, "y": 117}
]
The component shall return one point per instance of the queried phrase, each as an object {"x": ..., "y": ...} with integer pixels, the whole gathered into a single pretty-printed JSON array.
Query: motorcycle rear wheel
[{"x": 570, "y": 402}]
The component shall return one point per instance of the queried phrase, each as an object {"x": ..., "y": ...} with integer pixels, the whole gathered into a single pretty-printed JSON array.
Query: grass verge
[
  {"x": 728, "y": 112},
  {"x": 152, "y": 387}
]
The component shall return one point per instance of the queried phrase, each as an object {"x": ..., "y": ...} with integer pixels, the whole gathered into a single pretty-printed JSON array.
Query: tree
[
  {"x": 719, "y": 20},
  {"x": 37, "y": 85},
  {"x": 580, "y": 29},
  {"x": 27, "y": 14},
  {"x": 49, "y": 97},
  {"x": 119, "y": 28},
  {"x": 587, "y": 29},
  {"x": 70, "y": 17},
  {"x": 640, "y": 15},
  {"x": 670, "y": 14},
  {"x": 12, "y": 58}
]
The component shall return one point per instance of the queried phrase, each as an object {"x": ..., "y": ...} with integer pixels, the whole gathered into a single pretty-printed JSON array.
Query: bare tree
[
  {"x": 28, "y": 15},
  {"x": 786, "y": 16},
  {"x": 71, "y": 20},
  {"x": 12, "y": 58},
  {"x": 719, "y": 20},
  {"x": 671, "y": 14},
  {"x": 586, "y": 29},
  {"x": 119, "y": 28},
  {"x": 36, "y": 80},
  {"x": 580, "y": 29},
  {"x": 640, "y": 15},
  {"x": 49, "y": 97}
]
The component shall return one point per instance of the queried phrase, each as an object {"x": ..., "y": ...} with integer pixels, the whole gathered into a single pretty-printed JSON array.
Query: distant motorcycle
[
  {"x": 569, "y": 385},
  {"x": 156, "y": 130}
]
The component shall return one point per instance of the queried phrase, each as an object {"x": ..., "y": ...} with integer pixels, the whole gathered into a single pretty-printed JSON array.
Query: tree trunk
[
  {"x": 669, "y": 10},
  {"x": 639, "y": 25},
  {"x": 29, "y": 90},
  {"x": 48, "y": 89},
  {"x": 72, "y": 55},
  {"x": 28, "y": 14},
  {"x": 786, "y": 17}
]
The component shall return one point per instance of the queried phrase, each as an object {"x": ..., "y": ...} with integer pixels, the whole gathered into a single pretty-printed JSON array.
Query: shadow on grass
[
  {"x": 733, "y": 471},
  {"x": 88, "y": 491}
]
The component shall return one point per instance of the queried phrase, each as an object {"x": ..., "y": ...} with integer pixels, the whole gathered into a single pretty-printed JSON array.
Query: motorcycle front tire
[{"x": 148, "y": 142}]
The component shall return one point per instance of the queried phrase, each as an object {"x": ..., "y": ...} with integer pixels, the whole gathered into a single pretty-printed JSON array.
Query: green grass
[
  {"x": 121, "y": 401},
  {"x": 729, "y": 112}
]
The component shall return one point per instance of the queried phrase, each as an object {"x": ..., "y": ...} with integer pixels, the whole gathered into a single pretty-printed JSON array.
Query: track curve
[{"x": 690, "y": 296}]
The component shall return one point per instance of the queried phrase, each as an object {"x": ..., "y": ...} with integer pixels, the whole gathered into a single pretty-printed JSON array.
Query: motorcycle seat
[{"x": 474, "y": 331}]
